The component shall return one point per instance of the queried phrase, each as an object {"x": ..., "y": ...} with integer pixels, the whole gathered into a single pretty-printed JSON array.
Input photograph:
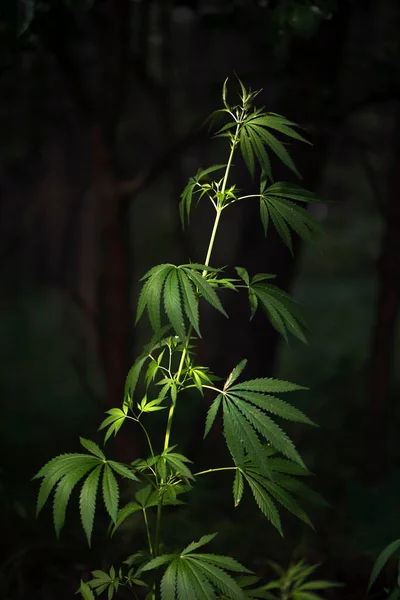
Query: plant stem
[
  {"x": 147, "y": 436},
  {"x": 146, "y": 522},
  {"x": 214, "y": 470},
  {"x": 219, "y": 209}
]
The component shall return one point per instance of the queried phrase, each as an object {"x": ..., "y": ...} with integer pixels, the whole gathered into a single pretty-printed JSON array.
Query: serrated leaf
[
  {"x": 206, "y": 290},
  {"x": 122, "y": 470},
  {"x": 168, "y": 582},
  {"x": 110, "y": 492},
  {"x": 173, "y": 303},
  {"x": 129, "y": 509},
  {"x": 268, "y": 429},
  {"x": 275, "y": 406},
  {"x": 221, "y": 580},
  {"x": 382, "y": 560},
  {"x": 243, "y": 274},
  {"x": 232, "y": 435},
  {"x": 276, "y": 146},
  {"x": 157, "y": 562},
  {"x": 301, "y": 489},
  {"x": 63, "y": 493},
  {"x": 205, "y": 539},
  {"x": 55, "y": 469},
  {"x": 236, "y": 372},
  {"x": 247, "y": 151},
  {"x": 87, "y": 501},
  {"x": 223, "y": 562},
  {"x": 264, "y": 503},
  {"x": 203, "y": 587},
  {"x": 211, "y": 414},
  {"x": 190, "y": 302},
  {"x": 238, "y": 487},
  {"x": 286, "y": 500},
  {"x": 62, "y": 464},
  {"x": 292, "y": 192},
  {"x": 93, "y": 448},
  {"x": 267, "y": 385},
  {"x": 133, "y": 376},
  {"x": 86, "y": 592}
]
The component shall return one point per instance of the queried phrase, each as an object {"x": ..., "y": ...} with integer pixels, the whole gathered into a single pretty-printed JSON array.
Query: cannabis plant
[
  {"x": 263, "y": 459},
  {"x": 387, "y": 553}
]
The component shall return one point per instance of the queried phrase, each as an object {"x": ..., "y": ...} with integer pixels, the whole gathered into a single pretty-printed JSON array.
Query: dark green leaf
[{"x": 87, "y": 501}]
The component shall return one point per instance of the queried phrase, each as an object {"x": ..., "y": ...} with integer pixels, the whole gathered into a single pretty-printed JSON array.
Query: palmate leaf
[
  {"x": 197, "y": 575},
  {"x": 64, "y": 472},
  {"x": 279, "y": 309},
  {"x": 192, "y": 188},
  {"x": 178, "y": 287},
  {"x": 277, "y": 202}
]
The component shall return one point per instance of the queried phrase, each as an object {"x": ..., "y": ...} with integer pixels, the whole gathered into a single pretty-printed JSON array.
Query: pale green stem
[
  {"x": 249, "y": 196},
  {"x": 147, "y": 436},
  {"x": 215, "y": 470},
  {"x": 171, "y": 413}
]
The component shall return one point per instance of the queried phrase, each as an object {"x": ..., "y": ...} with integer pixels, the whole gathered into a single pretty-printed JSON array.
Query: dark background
[{"x": 100, "y": 111}]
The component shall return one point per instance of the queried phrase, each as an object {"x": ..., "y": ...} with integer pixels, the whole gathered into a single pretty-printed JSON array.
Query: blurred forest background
[{"x": 101, "y": 106}]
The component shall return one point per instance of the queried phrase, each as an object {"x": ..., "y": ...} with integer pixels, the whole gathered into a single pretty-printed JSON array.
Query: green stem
[
  {"x": 215, "y": 470},
  {"x": 146, "y": 522},
  {"x": 219, "y": 209},
  {"x": 158, "y": 526},
  {"x": 147, "y": 436}
]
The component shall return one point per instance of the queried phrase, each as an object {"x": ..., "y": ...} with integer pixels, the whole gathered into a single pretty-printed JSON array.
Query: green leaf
[
  {"x": 292, "y": 191},
  {"x": 133, "y": 376},
  {"x": 173, "y": 303},
  {"x": 232, "y": 435},
  {"x": 243, "y": 274},
  {"x": 267, "y": 385},
  {"x": 129, "y": 509},
  {"x": 301, "y": 489},
  {"x": 211, "y": 414},
  {"x": 204, "y": 589},
  {"x": 190, "y": 301},
  {"x": 86, "y": 592},
  {"x": 176, "y": 462},
  {"x": 93, "y": 448},
  {"x": 62, "y": 464},
  {"x": 110, "y": 492},
  {"x": 238, "y": 487},
  {"x": 223, "y": 562},
  {"x": 87, "y": 501},
  {"x": 185, "y": 588},
  {"x": 247, "y": 434},
  {"x": 157, "y": 562},
  {"x": 206, "y": 290},
  {"x": 55, "y": 469},
  {"x": 205, "y": 539},
  {"x": 382, "y": 560},
  {"x": 169, "y": 582},
  {"x": 247, "y": 151},
  {"x": 276, "y": 146},
  {"x": 275, "y": 406},
  {"x": 63, "y": 493},
  {"x": 221, "y": 580},
  {"x": 264, "y": 502},
  {"x": 237, "y": 371},
  {"x": 122, "y": 470},
  {"x": 268, "y": 429},
  {"x": 285, "y": 499},
  {"x": 279, "y": 310}
]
